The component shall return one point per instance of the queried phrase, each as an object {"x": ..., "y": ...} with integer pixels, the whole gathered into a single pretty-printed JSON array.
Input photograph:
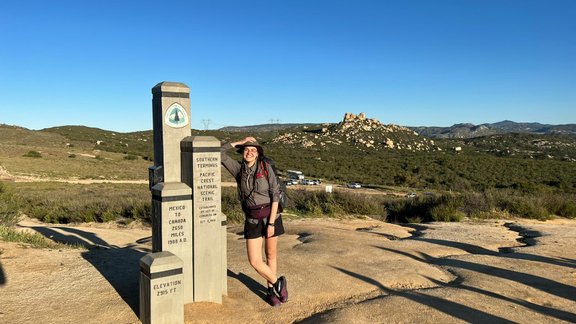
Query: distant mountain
[
  {"x": 261, "y": 128},
  {"x": 503, "y": 127}
]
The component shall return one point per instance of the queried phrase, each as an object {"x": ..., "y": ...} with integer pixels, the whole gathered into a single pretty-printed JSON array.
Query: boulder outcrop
[{"x": 362, "y": 132}]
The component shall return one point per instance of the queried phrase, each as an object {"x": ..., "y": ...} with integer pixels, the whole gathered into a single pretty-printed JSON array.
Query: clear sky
[{"x": 407, "y": 62}]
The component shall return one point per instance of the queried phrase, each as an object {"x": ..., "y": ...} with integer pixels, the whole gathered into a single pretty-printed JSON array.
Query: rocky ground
[{"x": 343, "y": 271}]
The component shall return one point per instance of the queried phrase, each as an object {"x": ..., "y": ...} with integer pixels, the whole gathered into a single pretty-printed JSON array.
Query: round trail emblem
[{"x": 176, "y": 116}]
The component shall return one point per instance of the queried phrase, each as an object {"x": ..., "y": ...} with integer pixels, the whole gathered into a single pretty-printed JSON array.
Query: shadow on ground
[
  {"x": 119, "y": 265},
  {"x": 460, "y": 311},
  {"x": 257, "y": 288},
  {"x": 2, "y": 276}
]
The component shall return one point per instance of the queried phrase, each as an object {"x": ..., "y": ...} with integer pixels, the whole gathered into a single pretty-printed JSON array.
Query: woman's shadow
[{"x": 257, "y": 288}]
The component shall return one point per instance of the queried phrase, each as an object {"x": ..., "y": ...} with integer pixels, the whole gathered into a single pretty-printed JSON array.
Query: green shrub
[
  {"x": 8, "y": 206},
  {"x": 566, "y": 209},
  {"x": 446, "y": 213},
  {"x": 560, "y": 204},
  {"x": 33, "y": 154},
  {"x": 138, "y": 210},
  {"x": 35, "y": 240},
  {"x": 67, "y": 203},
  {"x": 407, "y": 210},
  {"x": 72, "y": 156},
  {"x": 444, "y": 207},
  {"x": 447, "y": 208},
  {"x": 319, "y": 203},
  {"x": 475, "y": 203},
  {"x": 130, "y": 157},
  {"x": 231, "y": 206},
  {"x": 526, "y": 207}
]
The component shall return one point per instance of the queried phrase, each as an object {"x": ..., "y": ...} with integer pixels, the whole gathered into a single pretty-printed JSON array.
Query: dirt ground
[{"x": 338, "y": 271}]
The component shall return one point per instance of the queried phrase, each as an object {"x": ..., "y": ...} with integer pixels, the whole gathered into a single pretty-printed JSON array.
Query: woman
[{"x": 259, "y": 193}]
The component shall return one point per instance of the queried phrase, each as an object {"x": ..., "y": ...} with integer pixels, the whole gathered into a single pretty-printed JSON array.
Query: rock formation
[{"x": 362, "y": 132}]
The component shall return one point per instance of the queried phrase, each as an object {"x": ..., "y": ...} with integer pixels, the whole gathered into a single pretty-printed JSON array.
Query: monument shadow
[
  {"x": 462, "y": 312},
  {"x": 2, "y": 276},
  {"x": 527, "y": 238},
  {"x": 118, "y": 265},
  {"x": 544, "y": 284}
]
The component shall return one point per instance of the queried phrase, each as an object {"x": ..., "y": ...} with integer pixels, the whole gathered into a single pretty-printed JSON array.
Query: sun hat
[{"x": 255, "y": 144}]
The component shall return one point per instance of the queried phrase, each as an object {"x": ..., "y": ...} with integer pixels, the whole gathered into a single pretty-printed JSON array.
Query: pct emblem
[{"x": 176, "y": 116}]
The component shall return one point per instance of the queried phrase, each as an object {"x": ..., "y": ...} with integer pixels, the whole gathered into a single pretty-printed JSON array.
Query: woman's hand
[
  {"x": 243, "y": 141},
  {"x": 248, "y": 139},
  {"x": 270, "y": 231},
  {"x": 272, "y": 219}
]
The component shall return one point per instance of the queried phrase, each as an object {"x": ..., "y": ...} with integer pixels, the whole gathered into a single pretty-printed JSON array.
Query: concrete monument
[
  {"x": 161, "y": 289},
  {"x": 187, "y": 219},
  {"x": 201, "y": 171},
  {"x": 172, "y": 219}
]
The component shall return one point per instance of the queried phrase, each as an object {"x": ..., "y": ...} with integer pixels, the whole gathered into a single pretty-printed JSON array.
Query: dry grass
[{"x": 57, "y": 163}]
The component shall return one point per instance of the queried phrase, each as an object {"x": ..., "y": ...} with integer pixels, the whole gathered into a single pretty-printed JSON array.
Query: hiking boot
[
  {"x": 281, "y": 289},
  {"x": 272, "y": 299}
]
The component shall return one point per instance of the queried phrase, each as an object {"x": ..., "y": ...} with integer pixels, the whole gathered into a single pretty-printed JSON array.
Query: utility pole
[{"x": 206, "y": 123}]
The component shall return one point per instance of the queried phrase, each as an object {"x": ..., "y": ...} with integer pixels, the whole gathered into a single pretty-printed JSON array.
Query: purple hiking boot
[
  {"x": 272, "y": 299},
  {"x": 281, "y": 289}
]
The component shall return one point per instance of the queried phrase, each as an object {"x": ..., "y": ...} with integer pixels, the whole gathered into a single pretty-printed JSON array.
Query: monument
[
  {"x": 172, "y": 218},
  {"x": 201, "y": 171},
  {"x": 161, "y": 289},
  {"x": 188, "y": 227}
]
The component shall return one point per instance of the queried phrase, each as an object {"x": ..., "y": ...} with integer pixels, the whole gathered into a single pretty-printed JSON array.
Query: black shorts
[{"x": 256, "y": 228}]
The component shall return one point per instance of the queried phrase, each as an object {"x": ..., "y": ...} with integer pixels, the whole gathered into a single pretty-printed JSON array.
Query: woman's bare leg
[
  {"x": 272, "y": 257},
  {"x": 254, "y": 250}
]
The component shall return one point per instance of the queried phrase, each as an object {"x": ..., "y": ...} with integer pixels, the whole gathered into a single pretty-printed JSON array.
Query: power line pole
[{"x": 206, "y": 123}]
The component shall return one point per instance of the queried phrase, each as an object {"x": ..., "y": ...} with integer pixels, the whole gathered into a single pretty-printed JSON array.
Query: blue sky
[{"x": 412, "y": 63}]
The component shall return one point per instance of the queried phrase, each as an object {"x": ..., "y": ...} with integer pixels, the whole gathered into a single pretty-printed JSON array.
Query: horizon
[
  {"x": 422, "y": 63},
  {"x": 266, "y": 124}
]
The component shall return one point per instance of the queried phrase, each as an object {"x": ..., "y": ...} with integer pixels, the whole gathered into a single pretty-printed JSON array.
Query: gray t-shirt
[{"x": 255, "y": 187}]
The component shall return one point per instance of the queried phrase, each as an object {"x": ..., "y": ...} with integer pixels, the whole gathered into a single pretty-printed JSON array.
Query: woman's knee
[
  {"x": 255, "y": 263},
  {"x": 271, "y": 255}
]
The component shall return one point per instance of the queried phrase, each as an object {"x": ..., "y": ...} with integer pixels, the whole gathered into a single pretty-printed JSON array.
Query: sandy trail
[{"x": 343, "y": 271}]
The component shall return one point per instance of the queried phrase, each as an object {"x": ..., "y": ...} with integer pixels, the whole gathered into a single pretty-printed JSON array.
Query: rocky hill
[{"x": 361, "y": 132}]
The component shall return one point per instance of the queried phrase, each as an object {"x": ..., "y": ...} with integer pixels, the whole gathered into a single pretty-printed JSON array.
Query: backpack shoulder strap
[{"x": 264, "y": 166}]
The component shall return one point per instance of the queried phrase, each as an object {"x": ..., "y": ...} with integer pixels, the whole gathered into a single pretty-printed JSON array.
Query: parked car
[
  {"x": 291, "y": 182},
  {"x": 354, "y": 185},
  {"x": 411, "y": 195}
]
